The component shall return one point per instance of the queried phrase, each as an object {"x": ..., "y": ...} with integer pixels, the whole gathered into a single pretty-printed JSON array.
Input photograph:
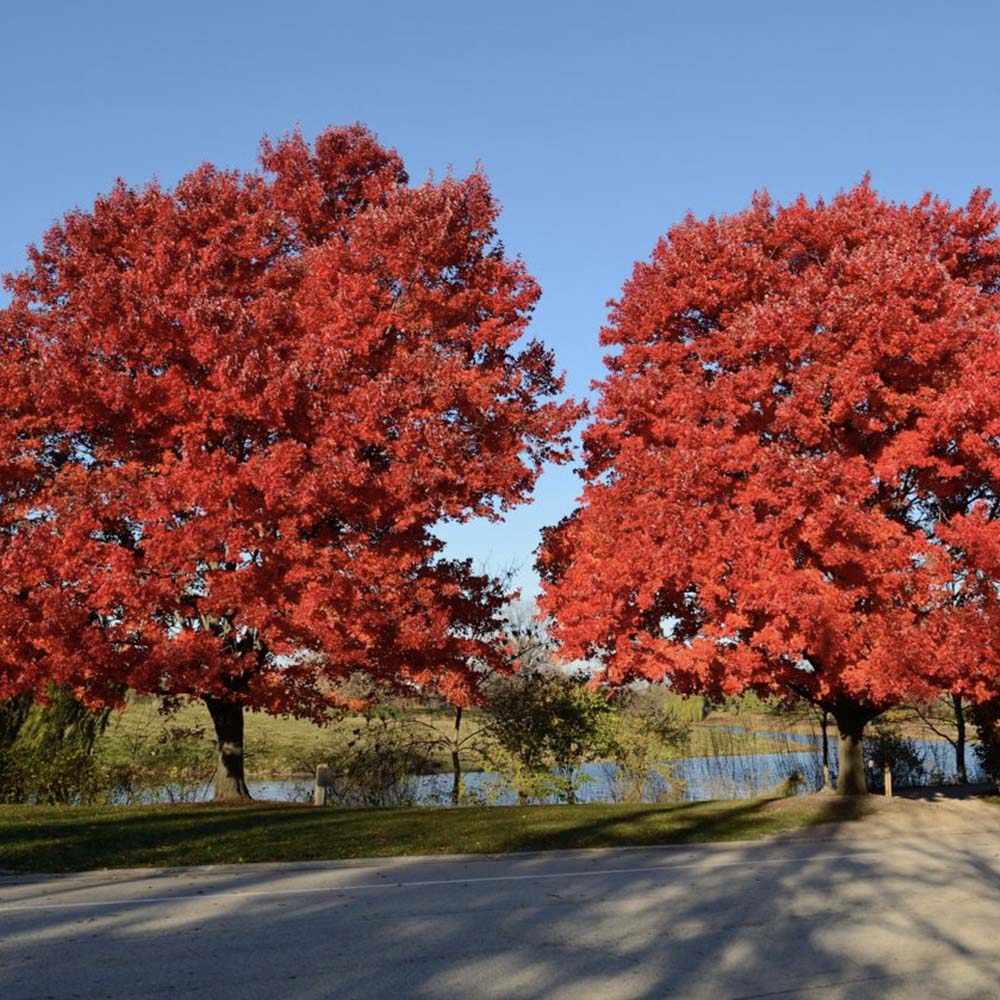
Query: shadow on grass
[{"x": 61, "y": 840}]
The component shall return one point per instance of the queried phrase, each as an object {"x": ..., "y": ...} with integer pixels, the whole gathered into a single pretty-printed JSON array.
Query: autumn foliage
[
  {"x": 793, "y": 473},
  {"x": 233, "y": 413}
]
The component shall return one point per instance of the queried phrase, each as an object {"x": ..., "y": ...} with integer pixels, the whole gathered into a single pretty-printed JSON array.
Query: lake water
[{"x": 709, "y": 777}]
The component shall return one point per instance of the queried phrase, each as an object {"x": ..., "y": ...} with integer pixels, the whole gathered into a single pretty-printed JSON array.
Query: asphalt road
[{"x": 882, "y": 918}]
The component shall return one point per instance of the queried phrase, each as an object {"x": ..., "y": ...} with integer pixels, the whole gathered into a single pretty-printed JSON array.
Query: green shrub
[
  {"x": 174, "y": 763},
  {"x": 375, "y": 764},
  {"x": 791, "y": 785},
  {"x": 885, "y": 745},
  {"x": 986, "y": 718},
  {"x": 48, "y": 751},
  {"x": 545, "y": 725},
  {"x": 63, "y": 775},
  {"x": 636, "y": 738}
]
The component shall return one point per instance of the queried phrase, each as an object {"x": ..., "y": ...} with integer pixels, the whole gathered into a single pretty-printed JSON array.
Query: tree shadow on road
[{"x": 852, "y": 920}]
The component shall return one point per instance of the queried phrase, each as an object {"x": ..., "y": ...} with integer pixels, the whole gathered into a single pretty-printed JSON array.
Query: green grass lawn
[{"x": 61, "y": 839}]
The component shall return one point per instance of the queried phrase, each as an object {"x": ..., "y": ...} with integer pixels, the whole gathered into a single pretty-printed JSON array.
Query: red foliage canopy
[
  {"x": 233, "y": 413},
  {"x": 791, "y": 431}
]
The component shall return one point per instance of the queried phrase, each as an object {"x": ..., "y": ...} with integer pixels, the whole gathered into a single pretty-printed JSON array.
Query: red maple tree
[
  {"x": 233, "y": 413},
  {"x": 787, "y": 457}
]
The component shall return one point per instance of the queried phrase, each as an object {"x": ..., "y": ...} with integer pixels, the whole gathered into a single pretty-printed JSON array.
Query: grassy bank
[
  {"x": 278, "y": 746},
  {"x": 61, "y": 839}
]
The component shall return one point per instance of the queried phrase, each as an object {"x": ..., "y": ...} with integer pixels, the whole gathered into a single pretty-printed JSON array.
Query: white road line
[{"x": 389, "y": 883}]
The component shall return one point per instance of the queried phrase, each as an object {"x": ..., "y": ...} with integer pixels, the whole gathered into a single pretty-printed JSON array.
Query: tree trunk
[
  {"x": 229, "y": 783},
  {"x": 960, "y": 768},
  {"x": 456, "y": 762},
  {"x": 851, "y": 761}
]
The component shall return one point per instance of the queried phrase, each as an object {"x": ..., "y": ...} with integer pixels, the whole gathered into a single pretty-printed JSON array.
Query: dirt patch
[{"x": 875, "y": 815}]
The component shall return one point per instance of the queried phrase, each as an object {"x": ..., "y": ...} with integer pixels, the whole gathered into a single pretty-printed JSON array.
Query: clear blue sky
[{"x": 599, "y": 124}]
